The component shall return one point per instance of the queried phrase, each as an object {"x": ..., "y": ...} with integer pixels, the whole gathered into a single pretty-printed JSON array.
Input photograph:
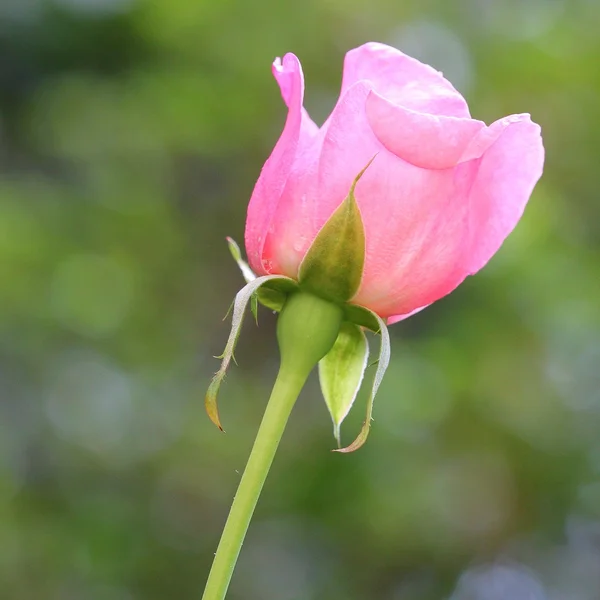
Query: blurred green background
[{"x": 131, "y": 135}]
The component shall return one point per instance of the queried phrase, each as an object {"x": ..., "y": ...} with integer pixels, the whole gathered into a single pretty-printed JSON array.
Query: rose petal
[
  {"x": 424, "y": 140},
  {"x": 416, "y": 224},
  {"x": 320, "y": 180},
  {"x": 415, "y": 220},
  {"x": 508, "y": 172},
  {"x": 403, "y": 80},
  {"x": 298, "y": 133},
  {"x": 396, "y": 318},
  {"x": 494, "y": 191}
]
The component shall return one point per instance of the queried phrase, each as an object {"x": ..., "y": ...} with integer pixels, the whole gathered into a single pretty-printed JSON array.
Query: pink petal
[
  {"x": 486, "y": 207},
  {"x": 403, "y": 80},
  {"x": 320, "y": 180},
  {"x": 424, "y": 140},
  {"x": 396, "y": 318},
  {"x": 297, "y": 134},
  {"x": 508, "y": 172},
  {"x": 416, "y": 222}
]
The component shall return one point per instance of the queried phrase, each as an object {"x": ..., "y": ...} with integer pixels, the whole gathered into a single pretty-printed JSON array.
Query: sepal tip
[
  {"x": 239, "y": 307},
  {"x": 210, "y": 403}
]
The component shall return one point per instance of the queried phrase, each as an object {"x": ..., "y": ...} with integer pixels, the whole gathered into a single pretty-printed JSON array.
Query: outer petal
[
  {"x": 416, "y": 231},
  {"x": 424, "y": 140},
  {"x": 320, "y": 180},
  {"x": 508, "y": 172},
  {"x": 403, "y": 80},
  {"x": 297, "y": 134},
  {"x": 495, "y": 190},
  {"x": 396, "y": 318}
]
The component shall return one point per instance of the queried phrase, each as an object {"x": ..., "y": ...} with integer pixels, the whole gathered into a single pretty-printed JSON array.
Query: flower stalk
[{"x": 306, "y": 330}]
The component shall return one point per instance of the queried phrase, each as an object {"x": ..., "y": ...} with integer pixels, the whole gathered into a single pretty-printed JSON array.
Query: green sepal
[
  {"x": 274, "y": 293},
  {"x": 271, "y": 298},
  {"x": 382, "y": 365},
  {"x": 254, "y": 307},
  {"x": 361, "y": 316},
  {"x": 239, "y": 308},
  {"x": 341, "y": 372},
  {"x": 333, "y": 265},
  {"x": 234, "y": 249},
  {"x": 247, "y": 273}
]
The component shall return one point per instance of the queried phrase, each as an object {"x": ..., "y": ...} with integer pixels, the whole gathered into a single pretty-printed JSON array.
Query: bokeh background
[{"x": 131, "y": 134}]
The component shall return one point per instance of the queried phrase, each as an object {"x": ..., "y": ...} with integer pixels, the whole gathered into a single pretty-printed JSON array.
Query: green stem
[
  {"x": 306, "y": 330},
  {"x": 287, "y": 387}
]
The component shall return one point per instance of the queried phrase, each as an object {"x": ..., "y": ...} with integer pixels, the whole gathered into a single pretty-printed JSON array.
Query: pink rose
[{"x": 440, "y": 197}]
